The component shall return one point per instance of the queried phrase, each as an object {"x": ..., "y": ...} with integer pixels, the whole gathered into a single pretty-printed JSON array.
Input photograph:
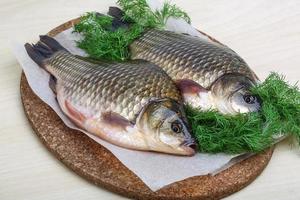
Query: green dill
[
  {"x": 251, "y": 132},
  {"x": 101, "y": 42},
  {"x": 281, "y": 104},
  {"x": 139, "y": 12}
]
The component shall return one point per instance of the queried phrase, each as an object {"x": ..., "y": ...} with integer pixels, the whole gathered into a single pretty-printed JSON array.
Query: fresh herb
[
  {"x": 100, "y": 41},
  {"x": 140, "y": 12},
  {"x": 251, "y": 132}
]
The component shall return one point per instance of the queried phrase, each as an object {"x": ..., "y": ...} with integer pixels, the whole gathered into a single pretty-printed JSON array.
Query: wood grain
[{"x": 266, "y": 33}]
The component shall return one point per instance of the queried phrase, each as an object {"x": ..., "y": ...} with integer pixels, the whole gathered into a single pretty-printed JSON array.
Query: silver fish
[
  {"x": 134, "y": 104},
  {"x": 209, "y": 74}
]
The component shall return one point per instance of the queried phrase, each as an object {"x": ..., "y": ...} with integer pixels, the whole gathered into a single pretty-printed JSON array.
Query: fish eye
[
  {"x": 249, "y": 99},
  {"x": 176, "y": 127}
]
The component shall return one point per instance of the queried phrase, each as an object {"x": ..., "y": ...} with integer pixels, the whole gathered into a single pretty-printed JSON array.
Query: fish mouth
[{"x": 189, "y": 147}]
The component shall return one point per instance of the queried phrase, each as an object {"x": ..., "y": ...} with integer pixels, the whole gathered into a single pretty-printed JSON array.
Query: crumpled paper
[{"x": 156, "y": 170}]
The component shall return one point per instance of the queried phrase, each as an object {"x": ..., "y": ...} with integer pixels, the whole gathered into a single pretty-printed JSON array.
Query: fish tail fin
[
  {"x": 43, "y": 50},
  {"x": 116, "y": 13},
  {"x": 118, "y": 18},
  {"x": 52, "y": 43},
  {"x": 37, "y": 53}
]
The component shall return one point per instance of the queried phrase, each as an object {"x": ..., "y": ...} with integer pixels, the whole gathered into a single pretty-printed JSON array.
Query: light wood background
[{"x": 266, "y": 33}]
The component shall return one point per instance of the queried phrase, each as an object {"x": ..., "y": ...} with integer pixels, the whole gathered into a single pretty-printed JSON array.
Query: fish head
[
  {"x": 165, "y": 127},
  {"x": 232, "y": 95}
]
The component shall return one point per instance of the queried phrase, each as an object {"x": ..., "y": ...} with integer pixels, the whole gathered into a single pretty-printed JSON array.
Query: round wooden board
[{"x": 98, "y": 165}]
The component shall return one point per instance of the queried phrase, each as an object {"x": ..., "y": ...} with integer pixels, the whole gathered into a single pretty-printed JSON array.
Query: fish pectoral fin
[
  {"x": 77, "y": 117},
  {"x": 190, "y": 86},
  {"x": 117, "y": 130},
  {"x": 52, "y": 83},
  {"x": 115, "y": 120},
  {"x": 194, "y": 94}
]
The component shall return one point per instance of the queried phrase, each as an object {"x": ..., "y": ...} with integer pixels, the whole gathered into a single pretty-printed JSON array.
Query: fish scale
[
  {"x": 183, "y": 56},
  {"x": 134, "y": 104},
  {"x": 123, "y": 88}
]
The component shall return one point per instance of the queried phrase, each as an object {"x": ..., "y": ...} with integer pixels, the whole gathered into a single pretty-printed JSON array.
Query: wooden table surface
[{"x": 266, "y": 33}]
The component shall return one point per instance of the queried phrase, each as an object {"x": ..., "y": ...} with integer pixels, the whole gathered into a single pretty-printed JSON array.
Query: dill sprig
[
  {"x": 251, "y": 132},
  {"x": 281, "y": 105},
  {"x": 101, "y": 41},
  {"x": 140, "y": 12}
]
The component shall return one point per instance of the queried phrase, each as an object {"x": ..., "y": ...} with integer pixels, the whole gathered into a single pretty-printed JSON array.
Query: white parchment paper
[{"x": 156, "y": 170}]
